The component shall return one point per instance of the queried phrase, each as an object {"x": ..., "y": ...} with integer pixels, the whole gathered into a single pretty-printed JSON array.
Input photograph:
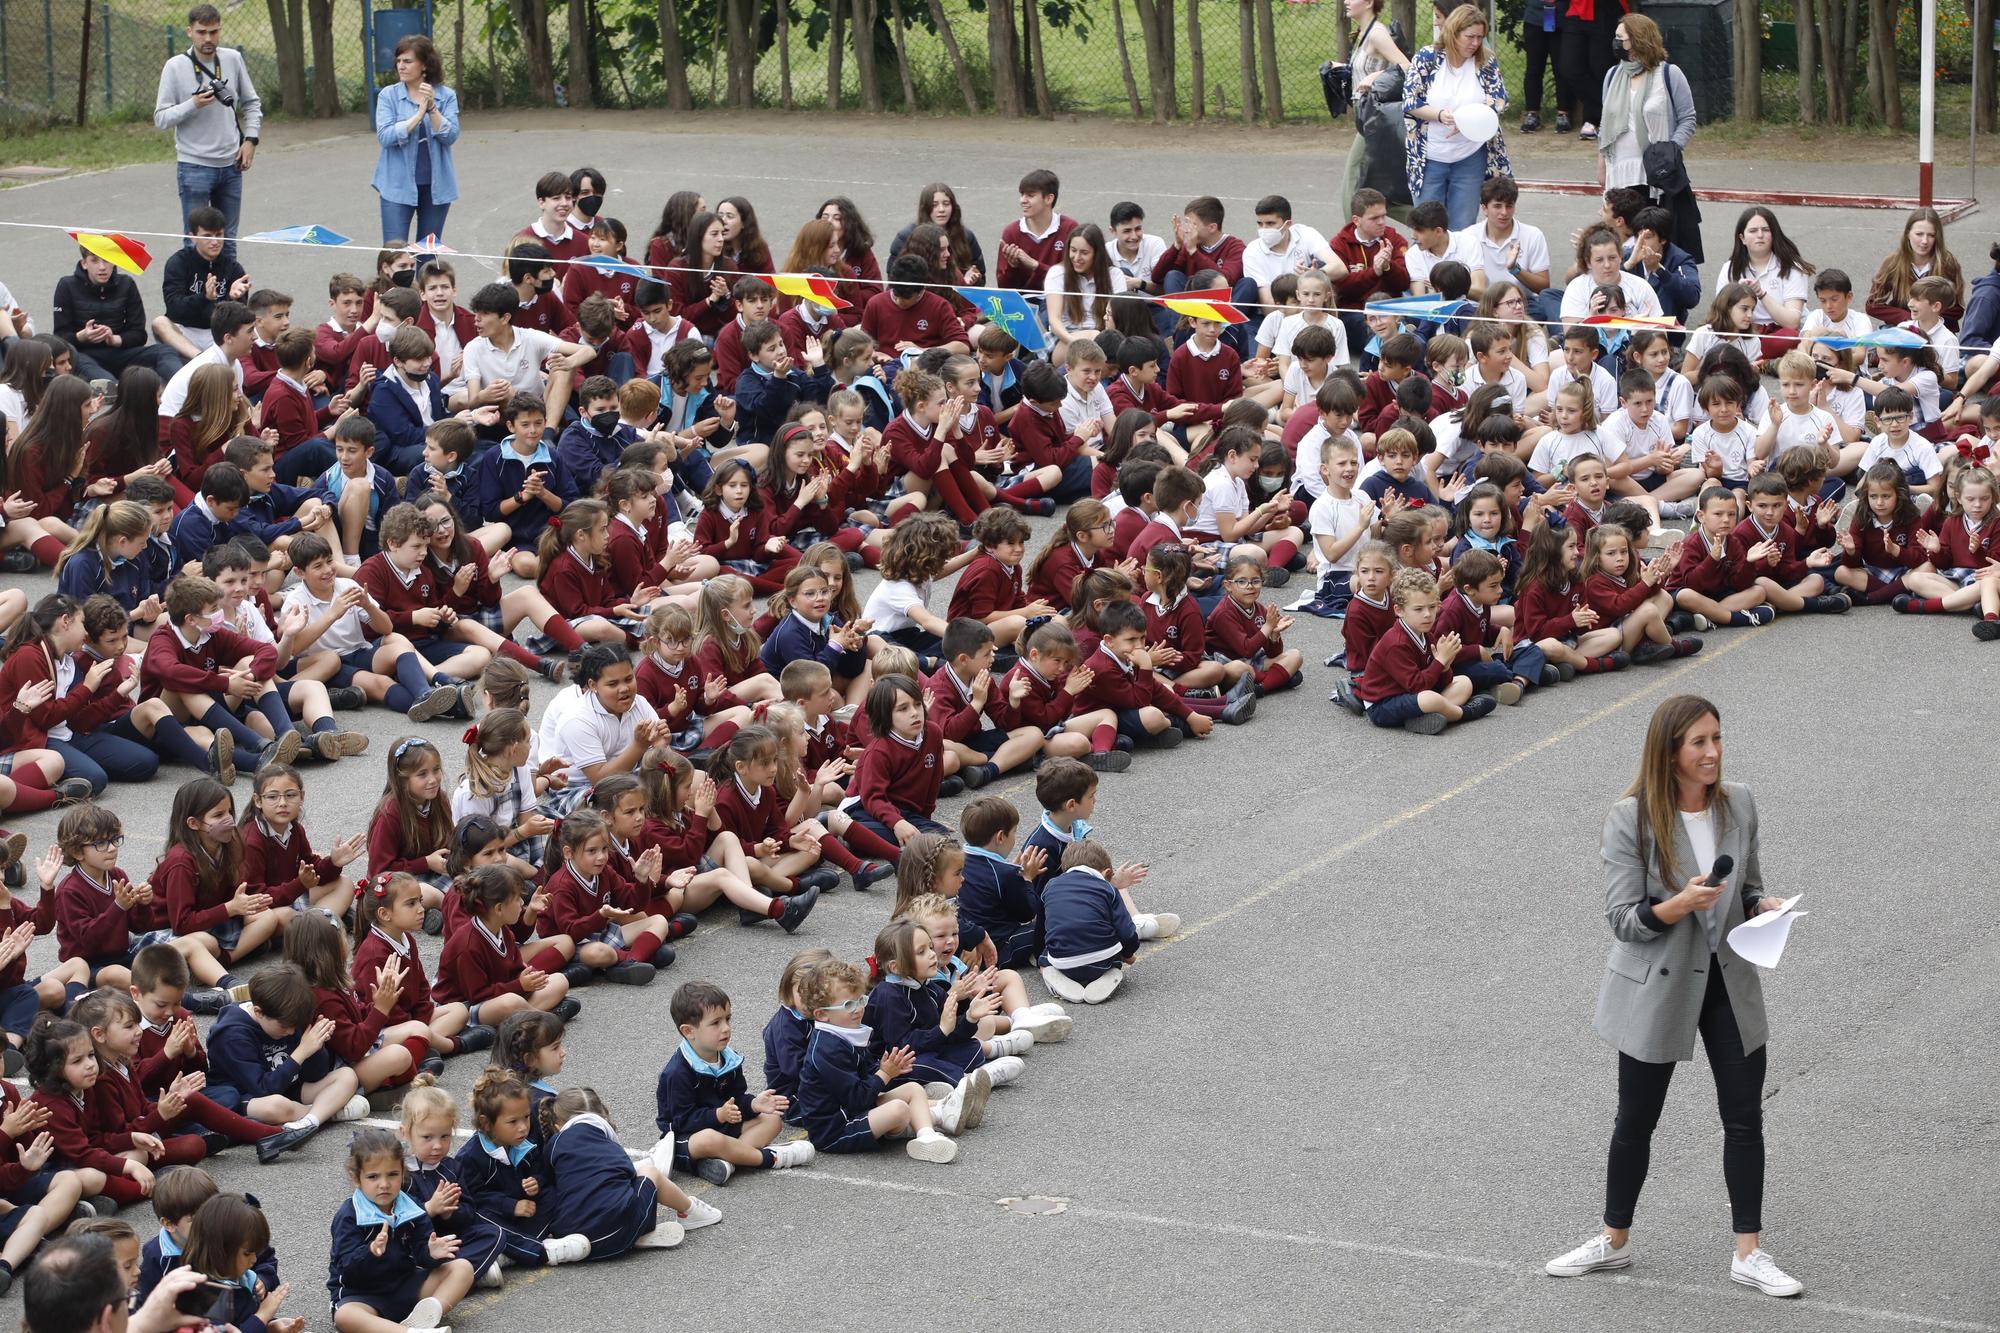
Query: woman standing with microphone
[
  {"x": 416, "y": 120},
  {"x": 1681, "y": 849}
]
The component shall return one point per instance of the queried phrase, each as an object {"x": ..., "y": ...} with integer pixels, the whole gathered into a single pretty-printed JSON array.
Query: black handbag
[{"x": 1336, "y": 84}]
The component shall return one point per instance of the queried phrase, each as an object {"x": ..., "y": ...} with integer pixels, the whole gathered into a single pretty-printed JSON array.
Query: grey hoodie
[{"x": 207, "y": 135}]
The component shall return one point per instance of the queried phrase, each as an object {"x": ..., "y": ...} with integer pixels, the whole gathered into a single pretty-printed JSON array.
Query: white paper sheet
[{"x": 1761, "y": 939}]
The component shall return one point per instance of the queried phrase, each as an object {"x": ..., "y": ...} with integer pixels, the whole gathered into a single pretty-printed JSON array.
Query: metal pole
[
  {"x": 109, "y": 95},
  {"x": 1927, "y": 98},
  {"x": 49, "y": 48},
  {"x": 1982, "y": 33}
]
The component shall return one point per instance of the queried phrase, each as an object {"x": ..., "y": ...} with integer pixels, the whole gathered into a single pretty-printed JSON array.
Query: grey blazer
[{"x": 1650, "y": 1001}]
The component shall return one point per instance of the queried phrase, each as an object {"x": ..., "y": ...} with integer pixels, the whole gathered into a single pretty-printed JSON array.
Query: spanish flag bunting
[
  {"x": 808, "y": 287},
  {"x": 1211, "y": 304},
  {"x": 1666, "y": 322},
  {"x": 115, "y": 249}
]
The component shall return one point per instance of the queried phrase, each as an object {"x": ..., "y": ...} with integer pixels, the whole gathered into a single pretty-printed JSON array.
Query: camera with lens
[{"x": 219, "y": 90}]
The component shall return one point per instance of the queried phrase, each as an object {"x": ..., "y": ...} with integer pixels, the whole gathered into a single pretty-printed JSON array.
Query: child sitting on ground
[{"x": 708, "y": 1121}]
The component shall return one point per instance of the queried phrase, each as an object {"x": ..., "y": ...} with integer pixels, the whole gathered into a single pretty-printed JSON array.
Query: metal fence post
[
  {"x": 6, "y": 80},
  {"x": 49, "y": 47},
  {"x": 110, "y": 98}
]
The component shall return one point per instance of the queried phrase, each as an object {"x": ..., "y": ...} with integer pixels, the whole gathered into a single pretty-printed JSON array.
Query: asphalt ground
[{"x": 1360, "y": 1089}]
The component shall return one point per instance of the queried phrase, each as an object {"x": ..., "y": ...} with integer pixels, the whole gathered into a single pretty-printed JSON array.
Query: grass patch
[{"x": 93, "y": 148}]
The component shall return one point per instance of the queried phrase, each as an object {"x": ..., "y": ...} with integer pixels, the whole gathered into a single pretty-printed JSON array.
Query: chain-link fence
[{"x": 1174, "y": 59}]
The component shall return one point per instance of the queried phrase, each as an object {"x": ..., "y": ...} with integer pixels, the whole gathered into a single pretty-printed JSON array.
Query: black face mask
[
  {"x": 604, "y": 422},
  {"x": 1620, "y": 50},
  {"x": 589, "y": 204},
  {"x": 544, "y": 286},
  {"x": 402, "y": 277}
]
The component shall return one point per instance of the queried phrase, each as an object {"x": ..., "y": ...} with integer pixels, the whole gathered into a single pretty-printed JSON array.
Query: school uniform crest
[
  {"x": 923, "y": 326},
  {"x": 930, "y": 761},
  {"x": 1222, "y": 372}
]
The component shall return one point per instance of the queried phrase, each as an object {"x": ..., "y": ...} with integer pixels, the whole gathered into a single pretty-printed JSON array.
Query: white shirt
[
  {"x": 889, "y": 605},
  {"x": 1556, "y": 449},
  {"x": 1945, "y": 343},
  {"x": 1267, "y": 329},
  {"x": 1453, "y": 86},
  {"x": 1077, "y": 409},
  {"x": 520, "y": 365},
  {"x": 1261, "y": 264},
  {"x": 1459, "y": 247},
  {"x": 1312, "y": 452},
  {"x": 1511, "y": 379},
  {"x": 1700, "y": 826},
  {"x": 1736, "y": 447},
  {"x": 1673, "y": 396},
  {"x": 1335, "y": 518},
  {"x": 1298, "y": 386},
  {"x": 174, "y": 396},
  {"x": 1624, "y": 438},
  {"x": 1707, "y": 336},
  {"x": 1815, "y": 425},
  {"x": 448, "y": 348},
  {"x": 1290, "y": 325},
  {"x": 1849, "y": 404},
  {"x": 345, "y": 634},
  {"x": 1916, "y": 452},
  {"x": 1603, "y": 389},
  {"x": 1534, "y": 256},
  {"x": 13, "y": 406},
  {"x": 504, "y": 807},
  {"x": 1139, "y": 269},
  {"x": 1777, "y": 290},
  {"x": 577, "y": 727},
  {"x": 1857, "y": 323},
  {"x": 24, "y": 326},
  {"x": 1640, "y": 299},
  {"x": 1052, "y": 286},
  {"x": 1221, "y": 494}
]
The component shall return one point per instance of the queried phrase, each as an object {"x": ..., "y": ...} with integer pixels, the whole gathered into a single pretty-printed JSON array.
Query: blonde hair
[
  {"x": 1586, "y": 401},
  {"x": 801, "y": 963},
  {"x": 787, "y": 721},
  {"x": 712, "y": 623},
  {"x": 917, "y": 869},
  {"x": 925, "y": 905},
  {"x": 1455, "y": 24},
  {"x": 428, "y": 1103}
]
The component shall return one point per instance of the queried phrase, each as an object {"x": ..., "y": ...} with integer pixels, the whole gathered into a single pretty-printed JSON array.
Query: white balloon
[{"x": 1478, "y": 122}]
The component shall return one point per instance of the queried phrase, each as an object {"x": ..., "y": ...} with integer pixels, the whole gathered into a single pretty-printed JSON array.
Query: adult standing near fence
[
  {"x": 207, "y": 99},
  {"x": 1458, "y": 72},
  {"x": 1586, "y": 35},
  {"x": 1647, "y": 121},
  {"x": 1375, "y": 54},
  {"x": 416, "y": 120},
  {"x": 1672, "y": 974}
]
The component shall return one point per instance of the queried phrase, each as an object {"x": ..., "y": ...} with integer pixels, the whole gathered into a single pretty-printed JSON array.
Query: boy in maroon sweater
[
  {"x": 1395, "y": 362},
  {"x": 1036, "y": 240},
  {"x": 1205, "y": 369},
  {"x": 1487, "y": 655},
  {"x": 1372, "y": 253},
  {"x": 911, "y": 317},
  {"x": 1037, "y": 428},
  {"x": 959, "y": 693},
  {"x": 289, "y": 407},
  {"x": 273, "y": 313},
  {"x": 1203, "y": 256},
  {"x": 335, "y": 340},
  {"x": 555, "y": 201},
  {"x": 1791, "y": 582},
  {"x": 1409, "y": 682},
  {"x": 533, "y": 277},
  {"x": 208, "y": 674},
  {"x": 1041, "y": 692},
  {"x": 1135, "y": 488},
  {"x": 754, "y": 299},
  {"x": 1177, "y": 496},
  {"x": 1148, "y": 712},
  {"x": 993, "y": 589},
  {"x": 413, "y": 593},
  {"x": 1714, "y": 578}
]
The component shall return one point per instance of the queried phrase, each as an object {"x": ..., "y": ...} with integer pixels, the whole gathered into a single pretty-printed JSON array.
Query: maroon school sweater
[
  {"x": 1045, "y": 252},
  {"x": 1120, "y": 685},
  {"x": 400, "y": 600},
  {"x": 930, "y": 322},
  {"x": 1211, "y": 380},
  {"x": 895, "y": 775},
  {"x": 1401, "y": 663}
]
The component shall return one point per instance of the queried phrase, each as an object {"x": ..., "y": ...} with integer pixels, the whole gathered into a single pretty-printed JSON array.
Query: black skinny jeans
[
  {"x": 1583, "y": 58},
  {"x": 1739, "y": 1093}
]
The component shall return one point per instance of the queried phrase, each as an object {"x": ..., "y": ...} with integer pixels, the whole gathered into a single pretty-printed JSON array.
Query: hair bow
[
  {"x": 1977, "y": 453},
  {"x": 472, "y": 734}
]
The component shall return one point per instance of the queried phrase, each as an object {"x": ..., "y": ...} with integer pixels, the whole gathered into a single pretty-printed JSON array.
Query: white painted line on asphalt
[{"x": 1718, "y": 1290}]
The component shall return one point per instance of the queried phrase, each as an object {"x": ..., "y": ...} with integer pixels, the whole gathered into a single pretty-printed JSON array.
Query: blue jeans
[
  {"x": 1456, "y": 186},
  {"x": 429, "y": 217},
  {"x": 221, "y": 187},
  {"x": 309, "y": 458}
]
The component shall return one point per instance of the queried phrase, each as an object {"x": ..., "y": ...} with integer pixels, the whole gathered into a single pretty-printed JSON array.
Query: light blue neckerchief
[
  {"x": 541, "y": 454},
  {"x": 514, "y": 1154},
  {"x": 368, "y": 1215},
  {"x": 1079, "y": 829},
  {"x": 894, "y": 979},
  {"x": 722, "y": 1068},
  {"x": 1480, "y": 543},
  {"x": 794, "y": 1013},
  {"x": 543, "y": 1085},
  {"x": 171, "y": 1248},
  {"x": 991, "y": 856}
]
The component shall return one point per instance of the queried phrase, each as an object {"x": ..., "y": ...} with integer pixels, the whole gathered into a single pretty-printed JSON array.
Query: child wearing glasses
[{"x": 1243, "y": 628}]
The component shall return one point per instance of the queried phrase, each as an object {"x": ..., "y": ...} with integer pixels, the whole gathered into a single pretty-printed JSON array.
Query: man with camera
[
  {"x": 207, "y": 100},
  {"x": 74, "y": 1286}
]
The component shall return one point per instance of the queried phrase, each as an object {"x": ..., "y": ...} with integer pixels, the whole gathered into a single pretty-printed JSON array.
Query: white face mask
[{"x": 1271, "y": 237}]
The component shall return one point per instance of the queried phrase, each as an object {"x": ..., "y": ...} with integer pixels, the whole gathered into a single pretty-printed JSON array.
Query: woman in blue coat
[{"x": 416, "y": 120}]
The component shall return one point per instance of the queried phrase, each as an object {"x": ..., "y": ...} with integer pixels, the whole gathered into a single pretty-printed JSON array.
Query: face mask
[
  {"x": 545, "y": 286},
  {"x": 1270, "y": 236},
  {"x": 604, "y": 422},
  {"x": 589, "y": 204},
  {"x": 217, "y": 621},
  {"x": 1269, "y": 485},
  {"x": 1619, "y": 49},
  {"x": 402, "y": 277}
]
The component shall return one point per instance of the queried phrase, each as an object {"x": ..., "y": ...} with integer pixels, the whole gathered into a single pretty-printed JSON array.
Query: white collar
[
  {"x": 753, "y": 795},
  {"x": 402, "y": 949},
  {"x": 1055, "y": 221},
  {"x": 1194, "y": 350},
  {"x": 405, "y": 579}
]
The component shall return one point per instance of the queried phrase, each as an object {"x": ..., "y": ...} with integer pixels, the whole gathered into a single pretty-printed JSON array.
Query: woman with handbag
[
  {"x": 1646, "y": 101},
  {"x": 1375, "y": 53},
  {"x": 1671, "y": 901}
]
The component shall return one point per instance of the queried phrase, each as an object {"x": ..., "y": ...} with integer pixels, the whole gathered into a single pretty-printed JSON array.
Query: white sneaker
[
  {"x": 1004, "y": 1069},
  {"x": 425, "y": 1313},
  {"x": 1158, "y": 925},
  {"x": 701, "y": 1213},
  {"x": 1061, "y": 986},
  {"x": 1009, "y": 1043},
  {"x": 663, "y": 1154},
  {"x": 1049, "y": 1007},
  {"x": 491, "y": 1277},
  {"x": 573, "y": 1249},
  {"x": 966, "y": 1106},
  {"x": 1044, "y": 1025},
  {"x": 1594, "y": 1254},
  {"x": 1100, "y": 990},
  {"x": 791, "y": 1154},
  {"x": 931, "y": 1146},
  {"x": 357, "y": 1108},
  {"x": 666, "y": 1234},
  {"x": 937, "y": 1092},
  {"x": 1762, "y": 1272}
]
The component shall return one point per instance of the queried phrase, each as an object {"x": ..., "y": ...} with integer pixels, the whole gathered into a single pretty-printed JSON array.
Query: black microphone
[{"x": 1719, "y": 872}]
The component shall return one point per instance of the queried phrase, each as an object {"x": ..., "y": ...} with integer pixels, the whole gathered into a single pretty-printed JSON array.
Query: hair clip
[
  {"x": 472, "y": 734},
  {"x": 403, "y": 746}
]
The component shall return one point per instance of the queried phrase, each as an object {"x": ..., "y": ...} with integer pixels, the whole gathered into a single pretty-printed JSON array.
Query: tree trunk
[
  {"x": 325, "y": 83},
  {"x": 785, "y": 54},
  {"x": 1980, "y": 12},
  {"x": 1808, "y": 61},
  {"x": 1124, "y": 57},
  {"x": 673, "y": 58},
  {"x": 1749, "y": 53},
  {"x": 1156, "y": 23},
  {"x": 736, "y": 40},
  {"x": 864, "y": 54},
  {"x": 1267, "y": 35},
  {"x": 1343, "y": 41},
  {"x": 531, "y": 17},
  {"x": 581, "y": 77},
  {"x": 836, "y": 27},
  {"x": 1246, "y": 59},
  {"x": 1404, "y": 12},
  {"x": 1197, "y": 63},
  {"x": 288, "y": 36},
  {"x": 951, "y": 51},
  {"x": 1850, "y": 61},
  {"x": 903, "y": 57},
  {"x": 1884, "y": 79},
  {"x": 1003, "y": 58},
  {"x": 1045, "y": 106}
]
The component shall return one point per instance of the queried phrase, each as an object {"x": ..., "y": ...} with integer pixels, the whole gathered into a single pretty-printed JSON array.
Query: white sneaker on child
[
  {"x": 1100, "y": 990},
  {"x": 931, "y": 1146},
  {"x": 1009, "y": 1043},
  {"x": 357, "y": 1108},
  {"x": 966, "y": 1106},
  {"x": 425, "y": 1313},
  {"x": 937, "y": 1092},
  {"x": 1004, "y": 1069},
  {"x": 572, "y": 1249},
  {"x": 491, "y": 1277},
  {"x": 700, "y": 1213},
  {"x": 663, "y": 1154},
  {"x": 1046, "y": 1023},
  {"x": 1061, "y": 986},
  {"x": 1158, "y": 925},
  {"x": 666, "y": 1234},
  {"x": 791, "y": 1154}
]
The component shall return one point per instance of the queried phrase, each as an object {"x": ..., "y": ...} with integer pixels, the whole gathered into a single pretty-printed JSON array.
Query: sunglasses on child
[{"x": 846, "y": 1006}]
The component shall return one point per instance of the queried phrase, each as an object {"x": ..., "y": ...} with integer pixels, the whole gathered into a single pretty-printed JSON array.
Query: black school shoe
[
  {"x": 681, "y": 925},
  {"x": 277, "y": 1145},
  {"x": 344, "y": 698},
  {"x": 870, "y": 873},
  {"x": 579, "y": 974},
  {"x": 567, "y": 1008},
  {"x": 632, "y": 972},
  {"x": 1478, "y": 706},
  {"x": 475, "y": 1037},
  {"x": 822, "y": 877}
]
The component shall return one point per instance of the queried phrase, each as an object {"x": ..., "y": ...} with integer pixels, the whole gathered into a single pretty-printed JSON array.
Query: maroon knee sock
[
  {"x": 1281, "y": 554},
  {"x": 517, "y": 650},
  {"x": 1027, "y": 488},
  {"x": 834, "y": 850},
  {"x": 48, "y": 550},
  {"x": 945, "y": 486},
  {"x": 720, "y": 735},
  {"x": 1274, "y": 678},
  {"x": 550, "y": 961},
  {"x": 1206, "y": 707},
  {"x": 563, "y": 633},
  {"x": 863, "y": 840},
  {"x": 849, "y": 539},
  {"x": 214, "y": 1115},
  {"x": 643, "y": 948},
  {"x": 1103, "y": 738},
  {"x": 31, "y": 789},
  {"x": 180, "y": 1150}
]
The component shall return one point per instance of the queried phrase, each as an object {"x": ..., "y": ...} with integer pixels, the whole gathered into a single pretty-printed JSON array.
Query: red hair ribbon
[{"x": 471, "y": 736}]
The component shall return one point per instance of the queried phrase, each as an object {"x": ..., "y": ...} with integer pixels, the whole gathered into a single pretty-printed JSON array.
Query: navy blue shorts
[
  {"x": 855, "y": 1136},
  {"x": 360, "y": 659},
  {"x": 985, "y": 741},
  {"x": 18, "y": 1006},
  {"x": 924, "y": 824},
  {"x": 1395, "y": 711}
]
